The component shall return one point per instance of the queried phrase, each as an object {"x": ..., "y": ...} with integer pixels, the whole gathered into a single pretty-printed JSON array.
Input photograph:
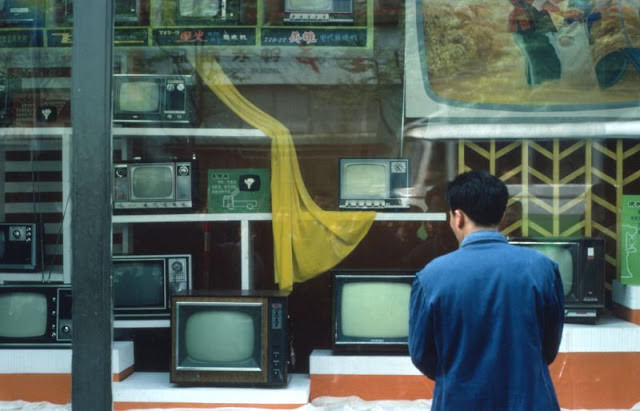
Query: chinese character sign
[{"x": 630, "y": 240}]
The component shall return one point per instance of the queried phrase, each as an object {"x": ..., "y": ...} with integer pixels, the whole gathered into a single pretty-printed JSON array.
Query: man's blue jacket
[{"x": 485, "y": 321}]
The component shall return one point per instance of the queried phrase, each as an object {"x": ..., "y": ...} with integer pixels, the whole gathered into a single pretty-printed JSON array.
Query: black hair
[{"x": 481, "y": 196}]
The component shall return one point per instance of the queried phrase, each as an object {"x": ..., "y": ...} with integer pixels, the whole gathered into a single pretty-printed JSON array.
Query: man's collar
[{"x": 482, "y": 236}]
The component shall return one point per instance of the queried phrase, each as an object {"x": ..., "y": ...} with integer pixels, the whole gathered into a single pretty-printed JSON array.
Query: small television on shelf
[
  {"x": 127, "y": 12},
  {"x": 154, "y": 185},
  {"x": 22, "y": 13},
  {"x": 505, "y": 74},
  {"x": 581, "y": 262},
  {"x": 370, "y": 310},
  {"x": 143, "y": 284},
  {"x": 374, "y": 183},
  {"x": 208, "y": 12},
  {"x": 230, "y": 338},
  {"x": 153, "y": 99},
  {"x": 21, "y": 247},
  {"x": 318, "y": 11},
  {"x": 35, "y": 315}
]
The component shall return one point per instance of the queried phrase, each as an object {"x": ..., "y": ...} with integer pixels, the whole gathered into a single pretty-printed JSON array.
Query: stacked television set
[
  {"x": 143, "y": 284},
  {"x": 374, "y": 183},
  {"x": 581, "y": 264},
  {"x": 370, "y": 311},
  {"x": 143, "y": 99},
  {"x": 154, "y": 185},
  {"x": 35, "y": 315},
  {"x": 230, "y": 338}
]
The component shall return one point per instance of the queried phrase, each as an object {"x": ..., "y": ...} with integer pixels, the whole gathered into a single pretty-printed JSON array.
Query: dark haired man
[{"x": 486, "y": 319}]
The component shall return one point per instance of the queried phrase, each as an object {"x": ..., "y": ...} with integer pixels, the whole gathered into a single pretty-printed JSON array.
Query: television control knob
[
  {"x": 121, "y": 172},
  {"x": 171, "y": 87},
  {"x": 180, "y": 86},
  {"x": 176, "y": 266},
  {"x": 183, "y": 170},
  {"x": 66, "y": 329},
  {"x": 16, "y": 234}
]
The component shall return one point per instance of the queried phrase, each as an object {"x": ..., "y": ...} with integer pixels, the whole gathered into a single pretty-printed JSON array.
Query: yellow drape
[{"x": 307, "y": 240}]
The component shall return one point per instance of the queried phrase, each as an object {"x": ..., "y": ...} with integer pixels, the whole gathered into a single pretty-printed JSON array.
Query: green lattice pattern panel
[{"x": 561, "y": 187}]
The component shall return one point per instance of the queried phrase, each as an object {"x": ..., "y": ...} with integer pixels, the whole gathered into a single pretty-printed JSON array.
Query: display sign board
[
  {"x": 239, "y": 190},
  {"x": 630, "y": 240},
  {"x": 488, "y": 62}
]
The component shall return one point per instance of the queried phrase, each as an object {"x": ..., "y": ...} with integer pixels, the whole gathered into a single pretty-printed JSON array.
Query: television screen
[
  {"x": 219, "y": 336},
  {"x": 375, "y": 309},
  {"x": 517, "y": 62},
  {"x": 370, "y": 310},
  {"x": 564, "y": 255},
  {"x": 199, "y": 8},
  {"x": 139, "y": 96},
  {"x": 365, "y": 181},
  {"x": 152, "y": 182},
  {"x": 23, "y": 315},
  {"x": 139, "y": 284},
  {"x": 309, "y": 5}
]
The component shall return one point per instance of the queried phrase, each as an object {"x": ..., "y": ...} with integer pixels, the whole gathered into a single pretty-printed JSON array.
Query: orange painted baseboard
[
  {"x": 582, "y": 380},
  {"x": 55, "y": 388},
  {"x": 626, "y": 314},
  {"x": 121, "y": 406},
  {"x": 597, "y": 379},
  {"x": 371, "y": 387}
]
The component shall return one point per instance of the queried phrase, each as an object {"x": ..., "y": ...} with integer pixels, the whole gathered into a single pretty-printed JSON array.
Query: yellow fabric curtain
[{"x": 307, "y": 240}]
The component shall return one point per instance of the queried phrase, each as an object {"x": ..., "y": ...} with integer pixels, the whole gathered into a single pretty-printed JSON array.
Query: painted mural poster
[
  {"x": 519, "y": 56},
  {"x": 630, "y": 240}
]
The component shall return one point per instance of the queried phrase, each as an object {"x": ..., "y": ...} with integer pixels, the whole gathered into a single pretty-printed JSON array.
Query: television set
[
  {"x": 154, "y": 185},
  {"x": 370, "y": 310},
  {"x": 127, "y": 12},
  {"x": 581, "y": 262},
  {"x": 230, "y": 338},
  {"x": 21, "y": 247},
  {"x": 208, "y": 12},
  {"x": 318, "y": 11},
  {"x": 22, "y": 13},
  {"x": 476, "y": 67},
  {"x": 143, "y": 284},
  {"x": 153, "y": 99},
  {"x": 374, "y": 183},
  {"x": 35, "y": 315}
]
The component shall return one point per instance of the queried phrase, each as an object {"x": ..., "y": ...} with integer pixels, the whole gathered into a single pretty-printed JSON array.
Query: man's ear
[{"x": 458, "y": 218}]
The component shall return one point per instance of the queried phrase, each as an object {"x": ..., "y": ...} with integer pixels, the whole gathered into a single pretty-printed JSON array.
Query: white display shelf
[
  {"x": 240, "y": 217},
  {"x": 155, "y": 387}
]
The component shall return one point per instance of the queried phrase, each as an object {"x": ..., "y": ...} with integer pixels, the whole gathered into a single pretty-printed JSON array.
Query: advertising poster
[
  {"x": 630, "y": 240},
  {"x": 522, "y": 60}
]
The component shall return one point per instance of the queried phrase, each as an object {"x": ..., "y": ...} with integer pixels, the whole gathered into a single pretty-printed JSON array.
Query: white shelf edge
[
  {"x": 178, "y": 218},
  {"x": 187, "y": 132},
  {"x": 238, "y": 217}
]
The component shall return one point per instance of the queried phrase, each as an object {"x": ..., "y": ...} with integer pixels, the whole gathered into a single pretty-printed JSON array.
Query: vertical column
[{"x": 91, "y": 161}]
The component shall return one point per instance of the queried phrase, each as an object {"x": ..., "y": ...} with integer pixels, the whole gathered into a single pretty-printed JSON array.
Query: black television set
[
  {"x": 159, "y": 99},
  {"x": 21, "y": 247},
  {"x": 230, "y": 338},
  {"x": 370, "y": 310},
  {"x": 374, "y": 183},
  {"x": 127, "y": 12},
  {"x": 318, "y": 11},
  {"x": 154, "y": 185},
  {"x": 35, "y": 315},
  {"x": 208, "y": 12},
  {"x": 581, "y": 262},
  {"x": 22, "y": 13},
  {"x": 143, "y": 284}
]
